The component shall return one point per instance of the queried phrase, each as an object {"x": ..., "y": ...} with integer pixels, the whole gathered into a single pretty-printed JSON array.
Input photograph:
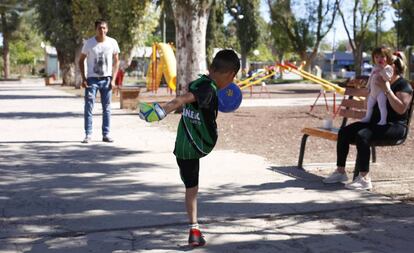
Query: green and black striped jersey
[{"x": 197, "y": 130}]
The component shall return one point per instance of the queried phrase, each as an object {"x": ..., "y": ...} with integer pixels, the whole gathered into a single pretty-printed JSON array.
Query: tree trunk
[
  {"x": 6, "y": 52},
  {"x": 78, "y": 77},
  {"x": 68, "y": 74},
  {"x": 191, "y": 28},
  {"x": 358, "y": 60},
  {"x": 67, "y": 68},
  {"x": 244, "y": 63}
]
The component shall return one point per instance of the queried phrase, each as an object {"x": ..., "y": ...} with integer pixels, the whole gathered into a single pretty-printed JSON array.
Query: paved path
[{"x": 58, "y": 195}]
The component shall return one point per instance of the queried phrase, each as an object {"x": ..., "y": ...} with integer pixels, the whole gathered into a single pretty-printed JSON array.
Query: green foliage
[
  {"x": 10, "y": 18},
  {"x": 230, "y": 36},
  {"x": 55, "y": 20},
  {"x": 386, "y": 39},
  {"x": 20, "y": 55},
  {"x": 25, "y": 45},
  {"x": 341, "y": 46},
  {"x": 264, "y": 43},
  {"x": 300, "y": 31},
  {"x": 215, "y": 36},
  {"x": 247, "y": 32},
  {"x": 406, "y": 8},
  {"x": 167, "y": 19},
  {"x": 127, "y": 19}
]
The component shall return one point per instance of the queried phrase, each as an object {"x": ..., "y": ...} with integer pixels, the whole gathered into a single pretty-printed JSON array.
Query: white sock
[{"x": 194, "y": 226}]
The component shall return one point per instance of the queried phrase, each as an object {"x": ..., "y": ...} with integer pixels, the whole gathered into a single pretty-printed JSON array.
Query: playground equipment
[
  {"x": 164, "y": 65},
  {"x": 326, "y": 85},
  {"x": 257, "y": 79}
]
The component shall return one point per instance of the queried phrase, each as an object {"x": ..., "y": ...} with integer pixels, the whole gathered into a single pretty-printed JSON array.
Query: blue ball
[{"x": 229, "y": 98}]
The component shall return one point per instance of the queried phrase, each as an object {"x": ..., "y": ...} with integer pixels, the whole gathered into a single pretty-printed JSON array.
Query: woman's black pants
[{"x": 363, "y": 135}]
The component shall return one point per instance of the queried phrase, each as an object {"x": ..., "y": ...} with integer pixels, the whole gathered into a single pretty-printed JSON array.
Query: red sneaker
[{"x": 196, "y": 238}]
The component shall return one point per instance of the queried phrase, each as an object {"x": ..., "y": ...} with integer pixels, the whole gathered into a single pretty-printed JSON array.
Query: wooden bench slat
[
  {"x": 358, "y": 82},
  {"x": 353, "y": 114},
  {"x": 362, "y": 92},
  {"x": 353, "y": 104},
  {"x": 329, "y": 134}
]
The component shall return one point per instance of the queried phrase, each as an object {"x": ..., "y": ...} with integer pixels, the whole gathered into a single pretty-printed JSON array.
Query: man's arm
[
  {"x": 115, "y": 67},
  {"x": 82, "y": 70}
]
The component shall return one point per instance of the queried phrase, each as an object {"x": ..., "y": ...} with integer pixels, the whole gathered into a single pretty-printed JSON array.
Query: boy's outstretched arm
[
  {"x": 156, "y": 112},
  {"x": 179, "y": 102}
]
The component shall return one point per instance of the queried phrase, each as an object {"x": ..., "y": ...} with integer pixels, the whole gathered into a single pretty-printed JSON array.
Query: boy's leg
[
  {"x": 189, "y": 171},
  {"x": 191, "y": 204}
]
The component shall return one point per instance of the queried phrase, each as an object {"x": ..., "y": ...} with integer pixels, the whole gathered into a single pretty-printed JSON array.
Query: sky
[{"x": 339, "y": 32}]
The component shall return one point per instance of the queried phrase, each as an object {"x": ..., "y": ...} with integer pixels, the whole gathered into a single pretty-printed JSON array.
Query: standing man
[{"x": 102, "y": 54}]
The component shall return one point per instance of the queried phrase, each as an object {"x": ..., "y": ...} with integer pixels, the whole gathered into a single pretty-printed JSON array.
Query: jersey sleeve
[{"x": 204, "y": 93}]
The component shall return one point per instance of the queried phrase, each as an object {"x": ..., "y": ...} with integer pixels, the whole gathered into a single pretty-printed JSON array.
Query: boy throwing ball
[{"x": 197, "y": 130}]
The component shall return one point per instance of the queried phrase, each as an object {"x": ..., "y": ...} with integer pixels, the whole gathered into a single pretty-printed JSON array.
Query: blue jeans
[{"x": 103, "y": 84}]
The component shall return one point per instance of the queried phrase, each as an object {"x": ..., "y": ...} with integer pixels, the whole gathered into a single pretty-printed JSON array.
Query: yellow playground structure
[
  {"x": 326, "y": 85},
  {"x": 162, "y": 63}
]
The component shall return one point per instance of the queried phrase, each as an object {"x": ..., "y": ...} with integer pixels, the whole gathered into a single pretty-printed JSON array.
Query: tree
[
  {"x": 306, "y": 29},
  {"x": 280, "y": 43},
  {"x": 25, "y": 44},
  {"x": 215, "y": 28},
  {"x": 406, "y": 9},
  {"x": 10, "y": 15},
  {"x": 362, "y": 13},
  {"x": 191, "y": 17},
  {"x": 55, "y": 21},
  {"x": 263, "y": 51},
  {"x": 245, "y": 13},
  {"x": 66, "y": 22}
]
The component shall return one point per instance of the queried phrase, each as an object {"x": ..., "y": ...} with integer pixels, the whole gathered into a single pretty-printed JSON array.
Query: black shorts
[{"x": 189, "y": 171}]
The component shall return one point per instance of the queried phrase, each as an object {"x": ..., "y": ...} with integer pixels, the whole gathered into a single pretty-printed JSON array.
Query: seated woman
[{"x": 399, "y": 94}]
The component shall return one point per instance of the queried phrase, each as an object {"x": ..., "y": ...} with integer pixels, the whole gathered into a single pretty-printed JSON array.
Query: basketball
[{"x": 229, "y": 98}]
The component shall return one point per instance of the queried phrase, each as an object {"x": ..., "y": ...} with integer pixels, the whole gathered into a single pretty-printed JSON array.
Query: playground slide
[
  {"x": 325, "y": 84},
  {"x": 247, "y": 80},
  {"x": 243, "y": 84},
  {"x": 166, "y": 65},
  {"x": 170, "y": 64}
]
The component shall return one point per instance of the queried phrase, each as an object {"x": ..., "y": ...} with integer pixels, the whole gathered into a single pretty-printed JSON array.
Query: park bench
[{"x": 353, "y": 107}]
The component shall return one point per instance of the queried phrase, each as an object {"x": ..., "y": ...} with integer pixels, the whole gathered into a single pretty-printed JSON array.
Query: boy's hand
[{"x": 151, "y": 112}]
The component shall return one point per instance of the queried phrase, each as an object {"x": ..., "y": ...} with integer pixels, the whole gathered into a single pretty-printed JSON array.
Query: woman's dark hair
[
  {"x": 383, "y": 51},
  {"x": 226, "y": 61},
  {"x": 99, "y": 22},
  {"x": 398, "y": 59}
]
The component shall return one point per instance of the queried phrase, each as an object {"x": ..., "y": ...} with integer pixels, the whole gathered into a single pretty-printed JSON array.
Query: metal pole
[
  {"x": 163, "y": 28},
  {"x": 376, "y": 23}
]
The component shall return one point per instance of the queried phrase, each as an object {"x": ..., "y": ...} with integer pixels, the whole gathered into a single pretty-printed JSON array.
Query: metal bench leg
[
  {"x": 302, "y": 150},
  {"x": 373, "y": 154}
]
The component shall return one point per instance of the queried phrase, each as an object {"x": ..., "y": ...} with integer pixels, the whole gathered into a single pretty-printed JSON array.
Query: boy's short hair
[
  {"x": 383, "y": 51},
  {"x": 98, "y": 22},
  {"x": 226, "y": 61}
]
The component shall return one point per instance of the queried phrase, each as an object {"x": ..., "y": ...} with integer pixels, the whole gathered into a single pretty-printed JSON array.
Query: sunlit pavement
[{"x": 58, "y": 195}]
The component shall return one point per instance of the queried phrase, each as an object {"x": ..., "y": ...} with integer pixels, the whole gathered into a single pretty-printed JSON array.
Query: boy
[{"x": 197, "y": 130}]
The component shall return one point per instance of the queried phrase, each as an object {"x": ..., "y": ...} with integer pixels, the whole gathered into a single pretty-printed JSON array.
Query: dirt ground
[{"x": 275, "y": 133}]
